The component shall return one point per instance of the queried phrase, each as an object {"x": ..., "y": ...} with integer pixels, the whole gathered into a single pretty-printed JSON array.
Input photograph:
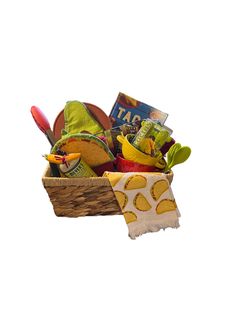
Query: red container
[
  {"x": 109, "y": 166},
  {"x": 124, "y": 165}
]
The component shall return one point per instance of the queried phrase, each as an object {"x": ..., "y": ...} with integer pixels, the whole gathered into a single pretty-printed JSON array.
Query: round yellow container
[{"x": 131, "y": 153}]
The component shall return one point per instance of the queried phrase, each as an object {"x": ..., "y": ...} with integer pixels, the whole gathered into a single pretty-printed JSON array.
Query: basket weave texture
[{"x": 82, "y": 196}]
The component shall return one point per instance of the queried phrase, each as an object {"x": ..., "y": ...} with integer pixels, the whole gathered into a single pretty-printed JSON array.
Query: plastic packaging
[{"x": 151, "y": 137}]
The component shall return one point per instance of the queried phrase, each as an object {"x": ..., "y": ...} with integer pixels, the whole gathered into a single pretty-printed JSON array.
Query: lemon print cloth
[{"x": 146, "y": 201}]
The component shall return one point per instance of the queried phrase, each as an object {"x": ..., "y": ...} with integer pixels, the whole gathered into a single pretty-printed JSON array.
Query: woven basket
[{"x": 82, "y": 196}]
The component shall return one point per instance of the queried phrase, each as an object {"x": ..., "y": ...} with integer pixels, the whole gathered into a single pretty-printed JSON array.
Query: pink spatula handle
[{"x": 43, "y": 124}]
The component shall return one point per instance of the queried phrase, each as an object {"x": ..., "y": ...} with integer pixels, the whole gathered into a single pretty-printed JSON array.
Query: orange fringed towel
[{"x": 146, "y": 200}]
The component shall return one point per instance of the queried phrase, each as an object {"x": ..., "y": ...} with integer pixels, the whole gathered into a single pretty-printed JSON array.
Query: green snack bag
[{"x": 79, "y": 120}]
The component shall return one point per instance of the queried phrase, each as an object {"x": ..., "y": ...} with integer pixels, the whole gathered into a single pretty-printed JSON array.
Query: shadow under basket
[{"x": 82, "y": 196}]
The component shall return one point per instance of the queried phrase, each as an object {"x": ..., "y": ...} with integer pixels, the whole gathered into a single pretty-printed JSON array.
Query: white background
[{"x": 178, "y": 56}]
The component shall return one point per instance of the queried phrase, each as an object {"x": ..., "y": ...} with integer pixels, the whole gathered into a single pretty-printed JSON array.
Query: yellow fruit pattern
[
  {"x": 141, "y": 203},
  {"x": 130, "y": 216},
  {"x": 135, "y": 182},
  {"x": 158, "y": 188}
]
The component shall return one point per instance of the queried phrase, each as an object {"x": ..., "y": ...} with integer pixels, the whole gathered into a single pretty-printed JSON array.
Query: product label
[
  {"x": 127, "y": 109},
  {"x": 79, "y": 169}
]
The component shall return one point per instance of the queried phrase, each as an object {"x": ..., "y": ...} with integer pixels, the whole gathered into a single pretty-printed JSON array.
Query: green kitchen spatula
[
  {"x": 177, "y": 155},
  {"x": 174, "y": 148}
]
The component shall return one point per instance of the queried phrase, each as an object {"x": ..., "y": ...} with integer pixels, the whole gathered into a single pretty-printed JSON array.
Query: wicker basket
[{"x": 82, "y": 196}]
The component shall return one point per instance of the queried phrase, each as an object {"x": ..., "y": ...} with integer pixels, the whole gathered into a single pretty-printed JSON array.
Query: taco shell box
[
  {"x": 127, "y": 110},
  {"x": 82, "y": 196}
]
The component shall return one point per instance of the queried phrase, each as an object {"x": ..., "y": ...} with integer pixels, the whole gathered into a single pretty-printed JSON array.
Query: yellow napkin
[{"x": 146, "y": 200}]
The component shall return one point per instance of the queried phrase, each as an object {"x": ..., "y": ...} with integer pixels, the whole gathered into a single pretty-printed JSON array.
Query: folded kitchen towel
[{"x": 146, "y": 200}]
